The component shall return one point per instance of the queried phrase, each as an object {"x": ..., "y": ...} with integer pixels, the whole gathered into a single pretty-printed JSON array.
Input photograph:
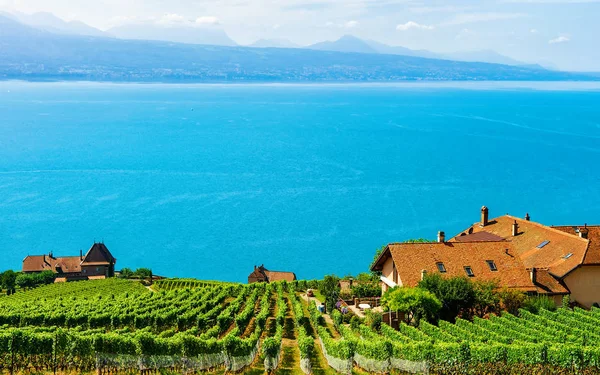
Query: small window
[
  {"x": 492, "y": 265},
  {"x": 543, "y": 244},
  {"x": 441, "y": 267},
  {"x": 469, "y": 271}
]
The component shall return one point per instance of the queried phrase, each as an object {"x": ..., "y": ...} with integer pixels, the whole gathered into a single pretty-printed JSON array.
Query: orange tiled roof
[
  {"x": 592, "y": 256},
  {"x": 562, "y": 253},
  {"x": 279, "y": 276},
  {"x": 412, "y": 258},
  {"x": 548, "y": 283}
]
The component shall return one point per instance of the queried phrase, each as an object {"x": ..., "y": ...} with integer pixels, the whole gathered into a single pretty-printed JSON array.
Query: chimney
[
  {"x": 583, "y": 232},
  {"x": 515, "y": 228},
  {"x": 80, "y": 254},
  {"x": 484, "y": 216},
  {"x": 423, "y": 274},
  {"x": 441, "y": 236},
  {"x": 527, "y": 217},
  {"x": 533, "y": 274}
]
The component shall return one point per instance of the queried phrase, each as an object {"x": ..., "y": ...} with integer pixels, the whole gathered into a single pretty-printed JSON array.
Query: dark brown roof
[
  {"x": 98, "y": 254},
  {"x": 592, "y": 255},
  {"x": 478, "y": 237},
  {"x": 412, "y": 258},
  {"x": 538, "y": 245}
]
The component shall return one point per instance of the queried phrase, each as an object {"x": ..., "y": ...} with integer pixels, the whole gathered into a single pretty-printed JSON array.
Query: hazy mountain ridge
[
  {"x": 173, "y": 33},
  {"x": 32, "y": 54}
]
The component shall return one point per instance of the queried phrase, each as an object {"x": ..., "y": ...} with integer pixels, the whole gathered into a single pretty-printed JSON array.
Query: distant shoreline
[{"x": 419, "y": 84}]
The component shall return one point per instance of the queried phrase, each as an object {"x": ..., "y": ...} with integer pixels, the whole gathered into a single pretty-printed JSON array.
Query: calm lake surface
[{"x": 207, "y": 181}]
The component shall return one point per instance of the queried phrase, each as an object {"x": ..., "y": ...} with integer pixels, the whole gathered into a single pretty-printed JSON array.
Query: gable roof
[
  {"x": 592, "y": 255},
  {"x": 97, "y": 255},
  {"x": 413, "y": 258},
  {"x": 38, "y": 263},
  {"x": 548, "y": 283},
  {"x": 561, "y": 254}
]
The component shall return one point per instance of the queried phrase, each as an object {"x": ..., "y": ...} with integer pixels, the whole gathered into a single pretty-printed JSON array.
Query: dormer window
[
  {"x": 492, "y": 265},
  {"x": 441, "y": 267},
  {"x": 469, "y": 271}
]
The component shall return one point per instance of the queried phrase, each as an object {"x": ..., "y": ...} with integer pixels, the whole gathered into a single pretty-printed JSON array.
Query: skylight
[
  {"x": 568, "y": 256},
  {"x": 441, "y": 267},
  {"x": 492, "y": 265},
  {"x": 543, "y": 244},
  {"x": 469, "y": 271}
]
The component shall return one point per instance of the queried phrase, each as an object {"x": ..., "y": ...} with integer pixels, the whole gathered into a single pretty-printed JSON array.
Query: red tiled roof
[
  {"x": 412, "y": 258},
  {"x": 592, "y": 255},
  {"x": 562, "y": 253}
]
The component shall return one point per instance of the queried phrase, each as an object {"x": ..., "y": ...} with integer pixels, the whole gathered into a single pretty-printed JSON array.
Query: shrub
[{"x": 535, "y": 304}]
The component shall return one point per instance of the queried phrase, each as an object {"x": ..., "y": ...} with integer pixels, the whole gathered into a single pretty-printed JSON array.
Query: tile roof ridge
[{"x": 546, "y": 227}]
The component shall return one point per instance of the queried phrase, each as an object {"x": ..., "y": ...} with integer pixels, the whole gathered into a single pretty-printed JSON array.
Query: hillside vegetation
[{"x": 196, "y": 326}]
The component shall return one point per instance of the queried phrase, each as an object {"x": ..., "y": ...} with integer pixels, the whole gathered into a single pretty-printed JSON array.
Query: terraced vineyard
[{"x": 192, "y": 326}]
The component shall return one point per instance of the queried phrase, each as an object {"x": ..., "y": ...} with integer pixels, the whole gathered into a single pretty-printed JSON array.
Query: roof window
[
  {"x": 492, "y": 265},
  {"x": 469, "y": 271},
  {"x": 543, "y": 244},
  {"x": 441, "y": 267},
  {"x": 568, "y": 256}
]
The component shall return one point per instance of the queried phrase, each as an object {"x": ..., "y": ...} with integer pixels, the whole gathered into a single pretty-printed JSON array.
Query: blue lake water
[{"x": 207, "y": 181}]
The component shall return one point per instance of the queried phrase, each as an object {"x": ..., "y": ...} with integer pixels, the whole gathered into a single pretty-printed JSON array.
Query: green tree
[
  {"x": 512, "y": 300},
  {"x": 330, "y": 289},
  {"x": 25, "y": 281},
  {"x": 414, "y": 303},
  {"x": 143, "y": 273},
  {"x": 7, "y": 280},
  {"x": 487, "y": 300},
  {"x": 457, "y": 294},
  {"x": 377, "y": 254},
  {"x": 126, "y": 273}
]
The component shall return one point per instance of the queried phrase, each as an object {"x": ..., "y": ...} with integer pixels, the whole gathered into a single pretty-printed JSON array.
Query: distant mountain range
[
  {"x": 214, "y": 35},
  {"x": 49, "y": 22},
  {"x": 34, "y": 53},
  {"x": 349, "y": 43},
  {"x": 173, "y": 33}
]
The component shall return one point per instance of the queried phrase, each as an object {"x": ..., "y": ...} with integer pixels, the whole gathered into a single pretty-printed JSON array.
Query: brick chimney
[
  {"x": 515, "y": 228},
  {"x": 484, "y": 216},
  {"x": 583, "y": 232},
  {"x": 527, "y": 217},
  {"x": 441, "y": 236}
]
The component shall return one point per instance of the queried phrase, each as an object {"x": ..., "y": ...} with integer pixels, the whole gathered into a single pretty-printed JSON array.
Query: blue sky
[{"x": 561, "y": 33}]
